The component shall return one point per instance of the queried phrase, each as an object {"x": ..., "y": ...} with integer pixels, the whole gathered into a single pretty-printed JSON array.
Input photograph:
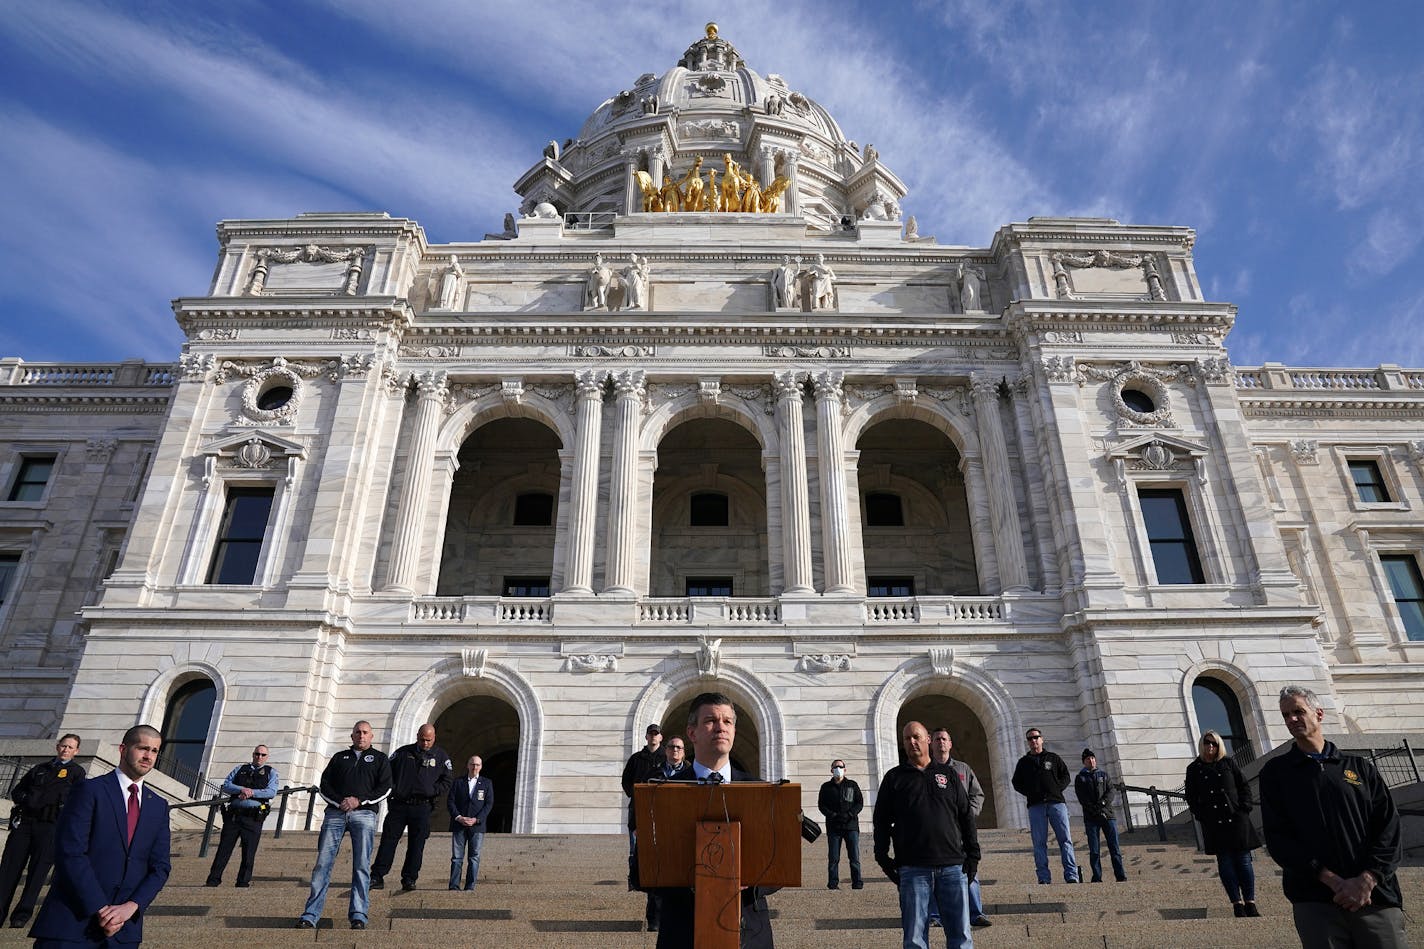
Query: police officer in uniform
[
  {"x": 421, "y": 776},
  {"x": 38, "y": 799},
  {"x": 252, "y": 787}
]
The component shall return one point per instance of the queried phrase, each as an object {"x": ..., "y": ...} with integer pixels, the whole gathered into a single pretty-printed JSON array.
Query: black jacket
[
  {"x": 840, "y": 803},
  {"x": 641, "y": 765},
  {"x": 420, "y": 777},
  {"x": 1095, "y": 793},
  {"x": 43, "y": 790},
  {"x": 364, "y": 775},
  {"x": 925, "y": 815},
  {"x": 1334, "y": 814},
  {"x": 1220, "y": 798},
  {"x": 1041, "y": 778}
]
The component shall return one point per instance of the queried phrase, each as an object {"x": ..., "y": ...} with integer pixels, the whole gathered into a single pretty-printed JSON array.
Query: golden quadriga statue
[{"x": 739, "y": 190}]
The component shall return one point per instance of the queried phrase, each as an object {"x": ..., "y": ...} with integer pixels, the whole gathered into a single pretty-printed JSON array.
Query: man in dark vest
[
  {"x": 38, "y": 799},
  {"x": 252, "y": 788}
]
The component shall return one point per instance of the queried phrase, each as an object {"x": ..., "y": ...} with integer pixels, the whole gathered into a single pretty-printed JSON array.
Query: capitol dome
[{"x": 711, "y": 104}]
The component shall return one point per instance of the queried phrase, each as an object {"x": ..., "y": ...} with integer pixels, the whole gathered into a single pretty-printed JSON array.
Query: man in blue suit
[
  {"x": 470, "y": 800},
  {"x": 111, "y": 854}
]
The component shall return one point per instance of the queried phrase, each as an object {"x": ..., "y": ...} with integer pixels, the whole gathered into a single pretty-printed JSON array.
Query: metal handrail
[
  {"x": 214, "y": 803},
  {"x": 1158, "y": 797}
]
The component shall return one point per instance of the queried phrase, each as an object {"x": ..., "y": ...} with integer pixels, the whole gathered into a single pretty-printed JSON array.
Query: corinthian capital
[
  {"x": 828, "y": 384},
  {"x": 433, "y": 384},
  {"x": 788, "y": 384},
  {"x": 589, "y": 383},
  {"x": 984, "y": 386},
  {"x": 629, "y": 383}
]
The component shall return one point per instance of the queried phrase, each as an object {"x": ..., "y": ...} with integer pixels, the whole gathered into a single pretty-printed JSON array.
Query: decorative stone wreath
[
  {"x": 264, "y": 380},
  {"x": 1148, "y": 383}
]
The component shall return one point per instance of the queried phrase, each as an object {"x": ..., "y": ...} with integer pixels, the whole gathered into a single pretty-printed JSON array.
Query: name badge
[{"x": 480, "y": 794}]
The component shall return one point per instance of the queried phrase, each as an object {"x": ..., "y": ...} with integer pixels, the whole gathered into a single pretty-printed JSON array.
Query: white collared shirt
[
  {"x": 124, "y": 782},
  {"x": 702, "y": 771}
]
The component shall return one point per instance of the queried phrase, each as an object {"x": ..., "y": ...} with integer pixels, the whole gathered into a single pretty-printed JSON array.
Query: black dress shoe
[
  {"x": 858, "y": 886},
  {"x": 242, "y": 884},
  {"x": 1251, "y": 911},
  {"x": 378, "y": 883},
  {"x": 979, "y": 922},
  {"x": 1239, "y": 910},
  {"x": 305, "y": 923},
  {"x": 407, "y": 887},
  {"x": 358, "y": 924},
  {"x": 212, "y": 883}
]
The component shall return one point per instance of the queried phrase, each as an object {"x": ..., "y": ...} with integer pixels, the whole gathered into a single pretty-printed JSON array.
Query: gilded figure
[{"x": 691, "y": 187}]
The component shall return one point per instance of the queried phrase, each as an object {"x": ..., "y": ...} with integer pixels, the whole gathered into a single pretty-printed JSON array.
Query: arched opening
[
  {"x": 971, "y": 743},
  {"x": 500, "y": 533},
  {"x": 914, "y": 512},
  {"x": 487, "y": 726},
  {"x": 186, "y": 723},
  {"x": 709, "y": 512},
  {"x": 1219, "y": 710},
  {"x": 746, "y": 748}
]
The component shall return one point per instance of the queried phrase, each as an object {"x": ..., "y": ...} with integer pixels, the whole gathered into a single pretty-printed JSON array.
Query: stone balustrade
[
  {"x": 1385, "y": 377},
  {"x": 17, "y": 372}
]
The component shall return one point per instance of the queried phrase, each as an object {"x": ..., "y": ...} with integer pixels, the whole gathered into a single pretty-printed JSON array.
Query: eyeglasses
[
  {"x": 1209, "y": 743},
  {"x": 1035, "y": 738},
  {"x": 260, "y": 754}
]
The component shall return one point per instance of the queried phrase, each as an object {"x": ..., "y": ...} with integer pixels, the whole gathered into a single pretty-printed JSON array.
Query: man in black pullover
[
  {"x": 922, "y": 811},
  {"x": 1332, "y": 826},
  {"x": 354, "y": 784}
]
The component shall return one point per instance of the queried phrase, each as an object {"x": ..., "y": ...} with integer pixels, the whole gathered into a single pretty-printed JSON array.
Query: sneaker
[
  {"x": 305, "y": 923},
  {"x": 979, "y": 922},
  {"x": 1251, "y": 910},
  {"x": 358, "y": 924},
  {"x": 378, "y": 883}
]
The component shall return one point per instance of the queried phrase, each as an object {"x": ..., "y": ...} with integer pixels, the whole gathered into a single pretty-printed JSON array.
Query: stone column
[
  {"x": 656, "y": 160},
  {"x": 795, "y": 507},
  {"x": 767, "y": 166},
  {"x": 830, "y": 454},
  {"x": 623, "y": 485},
  {"x": 431, "y": 392},
  {"x": 1003, "y": 509},
  {"x": 583, "y": 486},
  {"x": 793, "y": 191},
  {"x": 632, "y": 197}
]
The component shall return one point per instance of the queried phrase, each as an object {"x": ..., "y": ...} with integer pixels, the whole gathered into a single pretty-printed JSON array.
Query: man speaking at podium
[{"x": 711, "y": 727}]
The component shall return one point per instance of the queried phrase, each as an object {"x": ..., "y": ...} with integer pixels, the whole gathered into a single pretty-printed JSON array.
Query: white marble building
[{"x": 481, "y": 485}]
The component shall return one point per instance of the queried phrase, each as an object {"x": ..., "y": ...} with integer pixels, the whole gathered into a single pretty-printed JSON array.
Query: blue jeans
[
  {"x": 833, "y": 854},
  {"x": 1040, "y": 817},
  {"x": 1238, "y": 875},
  {"x": 926, "y": 888},
  {"x": 976, "y": 903},
  {"x": 465, "y": 840},
  {"x": 336, "y": 823},
  {"x": 1108, "y": 828}
]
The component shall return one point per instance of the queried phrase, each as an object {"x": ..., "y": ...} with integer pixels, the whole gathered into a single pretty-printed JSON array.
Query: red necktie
[{"x": 133, "y": 810}]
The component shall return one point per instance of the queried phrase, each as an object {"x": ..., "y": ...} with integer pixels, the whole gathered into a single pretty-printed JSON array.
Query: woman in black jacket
[{"x": 1220, "y": 799}]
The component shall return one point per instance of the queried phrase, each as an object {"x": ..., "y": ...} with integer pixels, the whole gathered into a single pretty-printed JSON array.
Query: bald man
[{"x": 421, "y": 776}]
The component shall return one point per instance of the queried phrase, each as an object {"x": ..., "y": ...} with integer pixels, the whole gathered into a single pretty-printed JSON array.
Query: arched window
[
  {"x": 1218, "y": 710},
  {"x": 185, "y": 731}
]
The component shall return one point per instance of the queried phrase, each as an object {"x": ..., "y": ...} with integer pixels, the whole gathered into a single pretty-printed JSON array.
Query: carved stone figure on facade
[
  {"x": 635, "y": 283},
  {"x": 971, "y": 288},
  {"x": 551, "y": 151},
  {"x": 1060, "y": 279},
  {"x": 690, "y": 188},
  {"x": 600, "y": 279},
  {"x": 823, "y": 284},
  {"x": 785, "y": 284},
  {"x": 450, "y": 282},
  {"x": 871, "y": 154},
  {"x": 775, "y": 104},
  {"x": 1154, "y": 279},
  {"x": 650, "y": 105},
  {"x": 912, "y": 229}
]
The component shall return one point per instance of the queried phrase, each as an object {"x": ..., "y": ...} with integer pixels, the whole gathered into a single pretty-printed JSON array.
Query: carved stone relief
[{"x": 1305, "y": 451}]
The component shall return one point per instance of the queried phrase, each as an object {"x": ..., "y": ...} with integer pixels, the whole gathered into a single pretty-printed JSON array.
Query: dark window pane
[
  {"x": 240, "y": 535},
  {"x": 526, "y": 586},
  {"x": 890, "y": 586},
  {"x": 1369, "y": 482},
  {"x": 1169, "y": 534},
  {"x": 1218, "y": 710},
  {"x": 534, "y": 510},
  {"x": 1138, "y": 401},
  {"x": 708, "y": 509},
  {"x": 884, "y": 510},
  {"x": 9, "y": 566},
  {"x": 185, "y": 730},
  {"x": 31, "y": 479},
  {"x": 709, "y": 586},
  {"x": 1407, "y": 586}
]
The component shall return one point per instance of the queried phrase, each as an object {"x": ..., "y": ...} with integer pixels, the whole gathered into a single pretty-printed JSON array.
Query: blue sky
[{"x": 1290, "y": 135}]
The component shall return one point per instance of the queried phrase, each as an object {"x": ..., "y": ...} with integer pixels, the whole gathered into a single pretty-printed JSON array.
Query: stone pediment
[
  {"x": 251, "y": 451},
  {"x": 1158, "y": 452}
]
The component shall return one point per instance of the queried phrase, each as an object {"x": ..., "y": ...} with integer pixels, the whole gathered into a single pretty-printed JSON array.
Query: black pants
[
  {"x": 33, "y": 843},
  {"x": 238, "y": 825},
  {"x": 414, "y": 819}
]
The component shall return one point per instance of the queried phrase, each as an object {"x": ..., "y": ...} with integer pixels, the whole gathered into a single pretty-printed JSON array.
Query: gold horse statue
[
  {"x": 772, "y": 196},
  {"x": 651, "y": 199}
]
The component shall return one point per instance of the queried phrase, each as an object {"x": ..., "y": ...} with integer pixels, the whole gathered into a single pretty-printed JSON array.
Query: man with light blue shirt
[{"x": 252, "y": 786}]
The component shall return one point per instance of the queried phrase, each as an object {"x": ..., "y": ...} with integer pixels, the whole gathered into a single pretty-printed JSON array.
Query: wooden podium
[{"x": 718, "y": 838}]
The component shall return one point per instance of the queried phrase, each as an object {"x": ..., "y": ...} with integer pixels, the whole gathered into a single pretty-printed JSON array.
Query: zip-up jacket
[
  {"x": 1334, "y": 814},
  {"x": 1041, "y": 778},
  {"x": 972, "y": 787},
  {"x": 364, "y": 775},
  {"x": 840, "y": 804},
  {"x": 1095, "y": 794},
  {"x": 925, "y": 815},
  {"x": 420, "y": 776}
]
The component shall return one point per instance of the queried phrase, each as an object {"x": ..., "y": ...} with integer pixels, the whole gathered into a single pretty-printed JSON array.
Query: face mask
[{"x": 838, "y": 772}]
